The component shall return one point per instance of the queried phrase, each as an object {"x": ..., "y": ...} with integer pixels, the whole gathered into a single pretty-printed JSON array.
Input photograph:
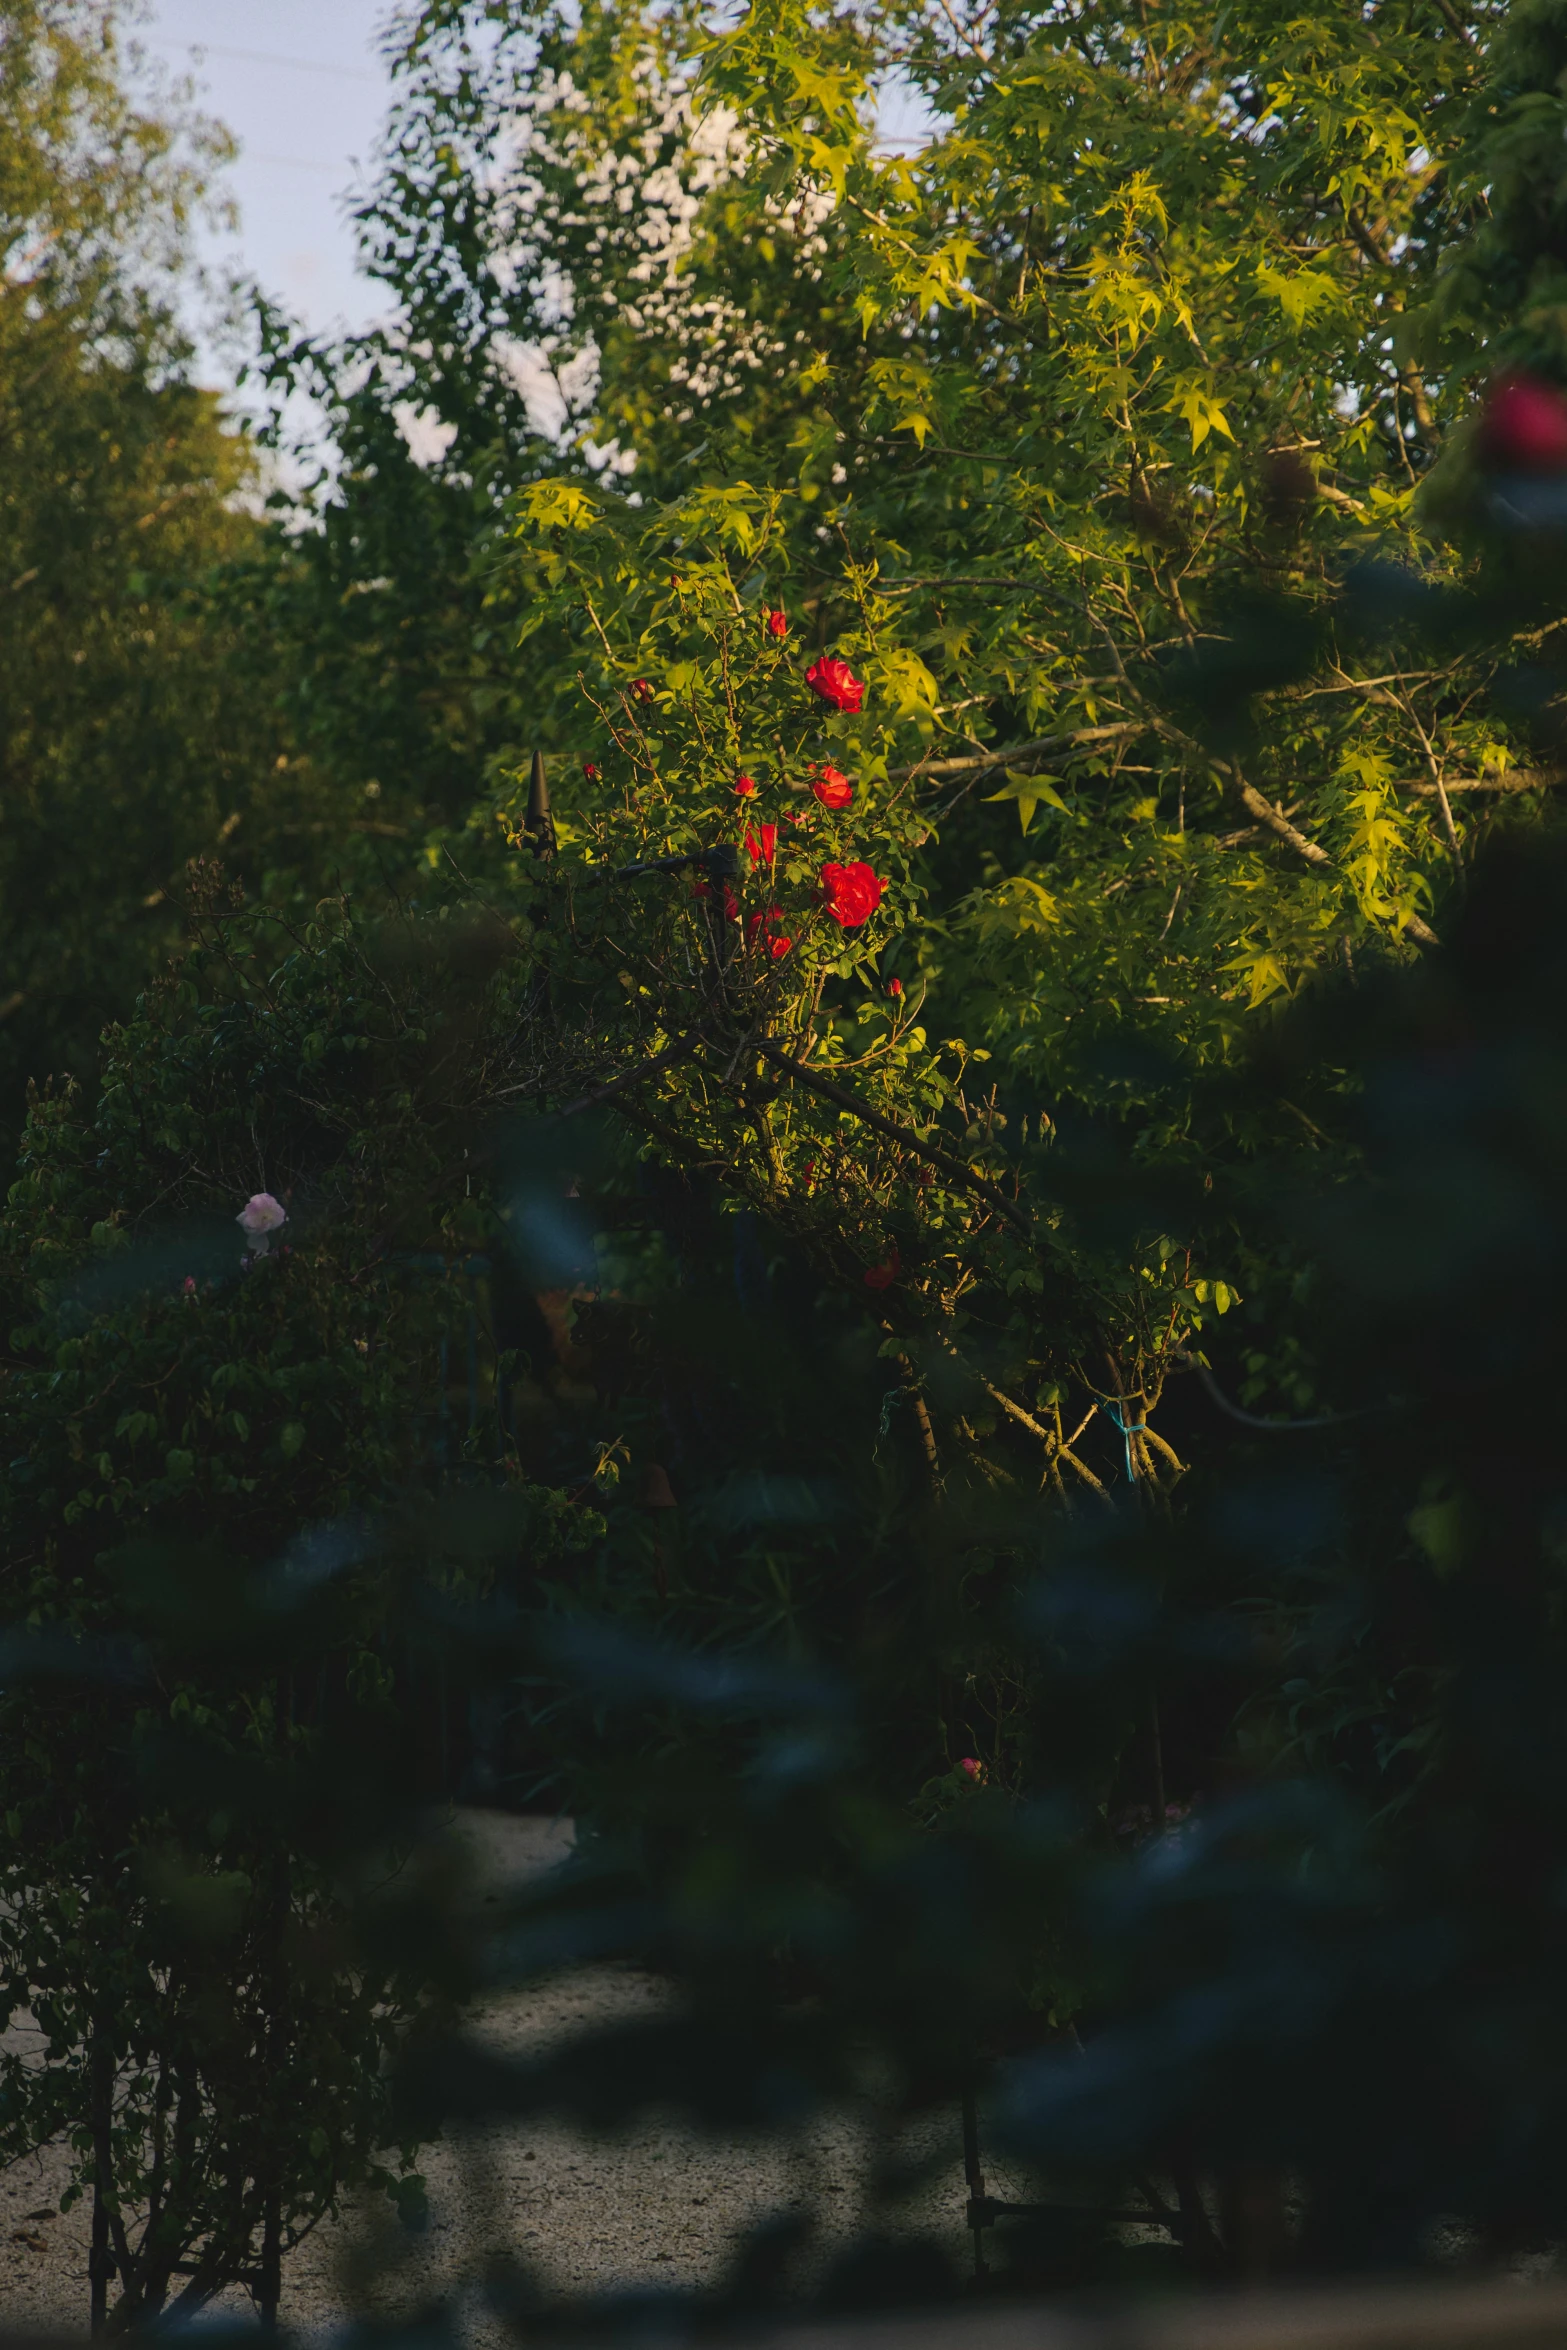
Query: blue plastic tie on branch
[{"x": 1129, "y": 1429}]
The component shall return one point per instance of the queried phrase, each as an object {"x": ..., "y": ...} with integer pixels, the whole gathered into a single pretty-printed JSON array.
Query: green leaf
[
  {"x": 1300, "y": 293},
  {"x": 1028, "y": 791},
  {"x": 1202, "y": 412}
]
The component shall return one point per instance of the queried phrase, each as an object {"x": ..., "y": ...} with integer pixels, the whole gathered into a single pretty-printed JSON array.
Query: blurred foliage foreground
[{"x": 1234, "y": 1881}]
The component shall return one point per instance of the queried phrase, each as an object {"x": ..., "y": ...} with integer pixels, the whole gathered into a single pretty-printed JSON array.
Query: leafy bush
[{"x": 224, "y": 1447}]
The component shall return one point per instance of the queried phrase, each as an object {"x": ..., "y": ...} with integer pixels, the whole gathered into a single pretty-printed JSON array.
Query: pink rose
[{"x": 259, "y": 1218}]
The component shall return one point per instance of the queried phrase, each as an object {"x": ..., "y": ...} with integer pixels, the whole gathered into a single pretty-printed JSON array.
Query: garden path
[{"x": 658, "y": 2207}]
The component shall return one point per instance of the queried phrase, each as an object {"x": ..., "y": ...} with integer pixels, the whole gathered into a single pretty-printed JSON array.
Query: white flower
[{"x": 259, "y": 1218}]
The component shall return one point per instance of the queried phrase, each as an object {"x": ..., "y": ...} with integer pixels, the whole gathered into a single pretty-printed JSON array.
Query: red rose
[
  {"x": 883, "y": 1276},
  {"x": 1524, "y": 426},
  {"x": 590, "y": 771},
  {"x": 745, "y": 787},
  {"x": 834, "y": 682},
  {"x": 763, "y": 927},
  {"x": 762, "y": 845},
  {"x": 851, "y": 893},
  {"x": 642, "y": 690},
  {"x": 833, "y": 788},
  {"x": 895, "y": 987},
  {"x": 776, "y": 623}
]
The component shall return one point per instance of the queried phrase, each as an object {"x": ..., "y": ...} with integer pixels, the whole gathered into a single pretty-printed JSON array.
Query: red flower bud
[
  {"x": 974, "y": 1768},
  {"x": 763, "y": 927},
  {"x": 590, "y": 771},
  {"x": 895, "y": 987},
  {"x": 642, "y": 690},
  {"x": 851, "y": 893},
  {"x": 745, "y": 787},
  {"x": 834, "y": 682},
  {"x": 762, "y": 845},
  {"x": 884, "y": 1275},
  {"x": 775, "y": 623},
  {"x": 1524, "y": 426},
  {"x": 833, "y": 788}
]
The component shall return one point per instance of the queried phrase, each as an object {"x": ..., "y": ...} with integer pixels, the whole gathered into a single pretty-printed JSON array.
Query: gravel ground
[{"x": 655, "y": 2208}]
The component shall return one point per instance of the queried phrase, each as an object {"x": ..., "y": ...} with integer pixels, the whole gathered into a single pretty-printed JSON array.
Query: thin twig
[
  {"x": 895, "y": 1133},
  {"x": 636, "y": 1076},
  {"x": 1434, "y": 770},
  {"x": 1047, "y": 1436},
  {"x": 1233, "y": 1411}
]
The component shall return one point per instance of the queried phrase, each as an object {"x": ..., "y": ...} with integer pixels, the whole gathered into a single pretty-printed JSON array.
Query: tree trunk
[{"x": 100, "y": 2262}]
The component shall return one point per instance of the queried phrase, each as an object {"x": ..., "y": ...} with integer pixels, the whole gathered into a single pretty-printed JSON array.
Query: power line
[{"x": 347, "y": 73}]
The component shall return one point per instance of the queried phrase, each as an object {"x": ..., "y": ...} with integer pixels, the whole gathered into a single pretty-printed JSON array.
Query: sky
[{"x": 301, "y": 87}]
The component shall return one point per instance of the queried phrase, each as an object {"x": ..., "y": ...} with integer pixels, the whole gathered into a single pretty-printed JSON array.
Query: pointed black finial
[{"x": 541, "y": 824}]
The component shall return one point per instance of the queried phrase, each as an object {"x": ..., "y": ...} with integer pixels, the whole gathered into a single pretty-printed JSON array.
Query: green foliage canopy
[{"x": 140, "y": 717}]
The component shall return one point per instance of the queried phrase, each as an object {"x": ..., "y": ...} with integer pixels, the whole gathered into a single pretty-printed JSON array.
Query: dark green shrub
[{"x": 224, "y": 1456}]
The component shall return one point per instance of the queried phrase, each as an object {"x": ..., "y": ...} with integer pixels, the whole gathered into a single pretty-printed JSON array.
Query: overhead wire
[{"x": 202, "y": 49}]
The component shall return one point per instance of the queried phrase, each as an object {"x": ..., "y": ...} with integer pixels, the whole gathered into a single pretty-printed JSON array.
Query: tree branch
[
  {"x": 1047, "y": 1436},
  {"x": 1465, "y": 32},
  {"x": 976, "y": 765},
  {"x": 623, "y": 1083},
  {"x": 1233, "y": 1411},
  {"x": 1510, "y": 779},
  {"x": 901, "y": 1135},
  {"x": 1277, "y": 822},
  {"x": 480, "y": 1150}
]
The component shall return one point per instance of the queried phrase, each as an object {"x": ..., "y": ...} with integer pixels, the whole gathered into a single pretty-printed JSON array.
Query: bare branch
[
  {"x": 1040, "y": 748},
  {"x": 1510, "y": 779},
  {"x": 901, "y": 1135},
  {"x": 1277, "y": 822}
]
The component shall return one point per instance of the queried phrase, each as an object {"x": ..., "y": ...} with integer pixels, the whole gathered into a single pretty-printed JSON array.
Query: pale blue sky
[{"x": 300, "y": 85}]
